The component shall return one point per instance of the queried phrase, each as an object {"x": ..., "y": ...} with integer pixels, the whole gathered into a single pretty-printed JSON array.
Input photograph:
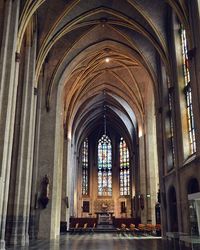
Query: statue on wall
[{"x": 44, "y": 192}]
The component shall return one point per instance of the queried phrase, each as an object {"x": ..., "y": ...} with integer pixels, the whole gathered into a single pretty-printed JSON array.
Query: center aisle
[{"x": 97, "y": 241}]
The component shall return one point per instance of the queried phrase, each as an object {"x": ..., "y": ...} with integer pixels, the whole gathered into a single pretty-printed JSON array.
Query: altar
[
  {"x": 105, "y": 218},
  {"x": 104, "y": 209}
]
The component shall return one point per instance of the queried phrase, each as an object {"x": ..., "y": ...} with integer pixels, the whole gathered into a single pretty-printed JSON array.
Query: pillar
[
  {"x": 9, "y": 67},
  {"x": 24, "y": 163},
  {"x": 50, "y": 161},
  {"x": 142, "y": 177}
]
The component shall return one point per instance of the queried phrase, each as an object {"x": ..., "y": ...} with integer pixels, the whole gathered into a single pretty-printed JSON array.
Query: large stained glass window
[
  {"x": 188, "y": 91},
  {"x": 124, "y": 168},
  {"x": 104, "y": 166},
  {"x": 85, "y": 169},
  {"x": 170, "y": 102}
]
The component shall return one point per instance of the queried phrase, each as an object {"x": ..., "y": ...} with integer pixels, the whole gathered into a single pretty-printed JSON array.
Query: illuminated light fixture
[
  {"x": 69, "y": 136},
  {"x": 107, "y": 59},
  {"x": 140, "y": 132}
]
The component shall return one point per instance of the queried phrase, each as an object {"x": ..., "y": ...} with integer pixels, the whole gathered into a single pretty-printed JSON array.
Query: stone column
[
  {"x": 69, "y": 177},
  {"x": 73, "y": 179},
  {"x": 142, "y": 176},
  {"x": 162, "y": 165},
  {"x": 25, "y": 150},
  {"x": 75, "y": 166},
  {"x": 58, "y": 165},
  {"x": 151, "y": 156},
  {"x": 79, "y": 183},
  {"x": 9, "y": 67},
  {"x": 33, "y": 225},
  {"x": 65, "y": 198},
  {"x": 50, "y": 161}
]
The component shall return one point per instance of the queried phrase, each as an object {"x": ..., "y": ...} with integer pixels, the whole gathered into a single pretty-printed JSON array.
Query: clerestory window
[{"x": 188, "y": 91}]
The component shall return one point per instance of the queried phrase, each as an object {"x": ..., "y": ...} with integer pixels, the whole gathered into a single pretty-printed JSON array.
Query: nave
[
  {"x": 99, "y": 122},
  {"x": 98, "y": 241}
]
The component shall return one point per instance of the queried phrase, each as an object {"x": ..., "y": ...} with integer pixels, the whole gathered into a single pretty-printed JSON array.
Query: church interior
[{"x": 100, "y": 122}]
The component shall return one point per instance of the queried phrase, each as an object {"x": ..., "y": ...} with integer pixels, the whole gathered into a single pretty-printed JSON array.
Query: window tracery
[
  {"x": 85, "y": 170},
  {"x": 188, "y": 91},
  {"x": 171, "y": 123},
  {"x": 124, "y": 168},
  {"x": 104, "y": 166}
]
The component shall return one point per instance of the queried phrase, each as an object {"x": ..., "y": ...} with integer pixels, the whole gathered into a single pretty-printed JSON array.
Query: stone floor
[{"x": 106, "y": 241}]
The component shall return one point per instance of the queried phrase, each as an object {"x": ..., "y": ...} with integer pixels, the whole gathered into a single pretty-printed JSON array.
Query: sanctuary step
[{"x": 105, "y": 228}]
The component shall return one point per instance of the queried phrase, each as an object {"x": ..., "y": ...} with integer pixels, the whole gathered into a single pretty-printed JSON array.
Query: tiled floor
[{"x": 106, "y": 241}]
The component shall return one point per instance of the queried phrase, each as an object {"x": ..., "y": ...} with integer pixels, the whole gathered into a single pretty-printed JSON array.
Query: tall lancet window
[
  {"x": 104, "y": 166},
  {"x": 188, "y": 91},
  {"x": 171, "y": 125},
  {"x": 124, "y": 168},
  {"x": 85, "y": 168}
]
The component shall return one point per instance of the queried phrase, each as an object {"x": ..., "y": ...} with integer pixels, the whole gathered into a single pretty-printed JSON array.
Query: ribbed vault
[
  {"x": 131, "y": 33},
  {"x": 100, "y": 55},
  {"x": 106, "y": 75},
  {"x": 90, "y": 117},
  {"x": 60, "y": 22}
]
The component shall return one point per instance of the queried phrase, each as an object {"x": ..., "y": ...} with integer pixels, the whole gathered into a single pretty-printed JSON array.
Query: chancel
[{"x": 100, "y": 124}]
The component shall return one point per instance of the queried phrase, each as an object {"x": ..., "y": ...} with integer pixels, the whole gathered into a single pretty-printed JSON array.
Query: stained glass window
[
  {"x": 170, "y": 102},
  {"x": 124, "y": 168},
  {"x": 85, "y": 170},
  {"x": 104, "y": 166},
  {"x": 188, "y": 91}
]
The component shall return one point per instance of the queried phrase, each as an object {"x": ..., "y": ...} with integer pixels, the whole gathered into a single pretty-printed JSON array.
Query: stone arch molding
[
  {"x": 157, "y": 41},
  {"x": 93, "y": 110},
  {"x": 31, "y": 7}
]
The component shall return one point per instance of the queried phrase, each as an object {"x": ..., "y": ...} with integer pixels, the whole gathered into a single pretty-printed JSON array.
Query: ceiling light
[{"x": 107, "y": 59}]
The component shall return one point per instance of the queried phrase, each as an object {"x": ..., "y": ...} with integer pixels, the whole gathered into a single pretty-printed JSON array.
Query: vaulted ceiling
[{"x": 104, "y": 53}]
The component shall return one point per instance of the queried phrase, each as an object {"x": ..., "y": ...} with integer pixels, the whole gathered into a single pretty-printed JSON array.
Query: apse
[{"x": 106, "y": 138}]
